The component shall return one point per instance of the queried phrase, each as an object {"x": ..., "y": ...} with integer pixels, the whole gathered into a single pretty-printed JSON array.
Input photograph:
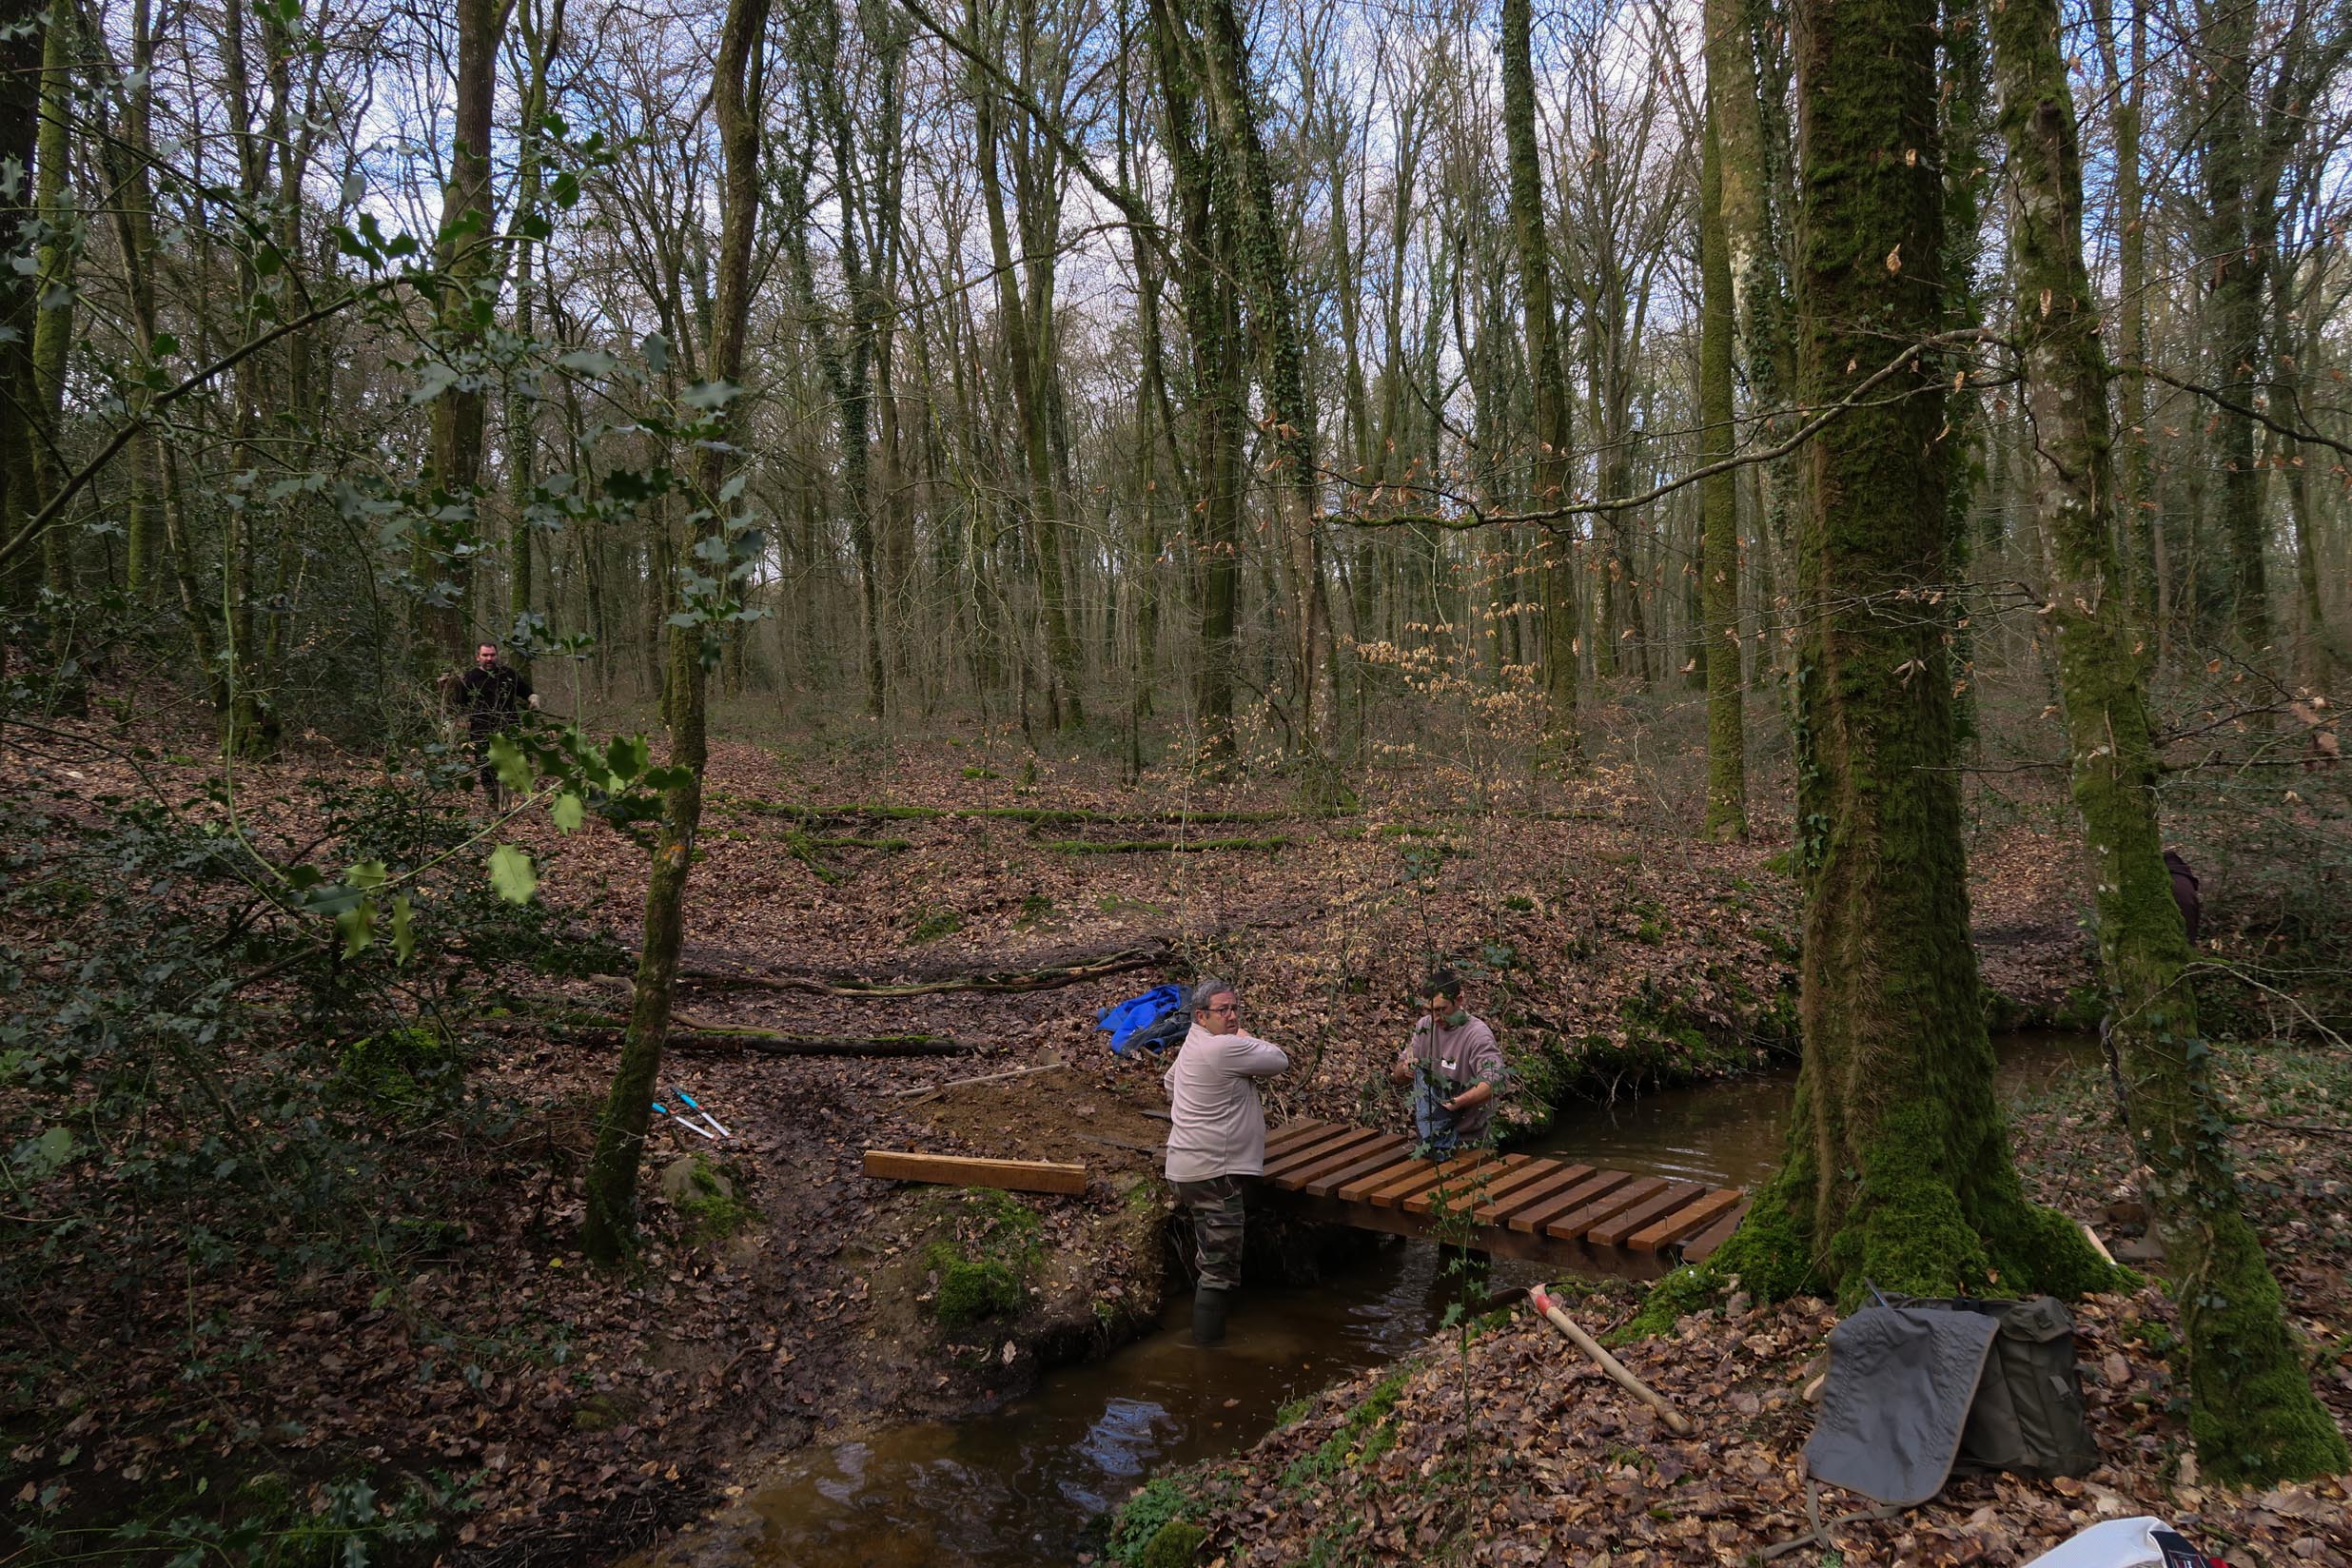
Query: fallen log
[
  {"x": 687, "y": 1035},
  {"x": 1033, "y": 814},
  {"x": 1010, "y": 980},
  {"x": 892, "y": 1164},
  {"x": 1170, "y": 846},
  {"x": 1675, "y": 1420}
]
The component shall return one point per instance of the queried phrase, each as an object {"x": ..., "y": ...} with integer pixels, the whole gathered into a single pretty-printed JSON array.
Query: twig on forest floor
[{"x": 915, "y": 1097}]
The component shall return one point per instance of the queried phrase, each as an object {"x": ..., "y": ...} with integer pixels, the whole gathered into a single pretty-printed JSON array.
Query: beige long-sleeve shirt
[{"x": 1217, "y": 1126}]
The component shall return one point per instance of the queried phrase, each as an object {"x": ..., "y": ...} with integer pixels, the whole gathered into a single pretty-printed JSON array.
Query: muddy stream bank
[{"x": 1023, "y": 1485}]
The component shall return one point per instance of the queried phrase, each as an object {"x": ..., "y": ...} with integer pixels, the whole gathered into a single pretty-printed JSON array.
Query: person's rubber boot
[{"x": 1209, "y": 1305}]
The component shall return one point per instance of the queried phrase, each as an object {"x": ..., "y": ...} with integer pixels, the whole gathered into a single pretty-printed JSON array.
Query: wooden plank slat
[
  {"x": 1466, "y": 1189},
  {"x": 1374, "y": 1160},
  {"x": 1310, "y": 1148},
  {"x": 1571, "y": 1225},
  {"x": 893, "y": 1164},
  {"x": 1502, "y": 1191},
  {"x": 1381, "y": 1148},
  {"x": 1284, "y": 1171},
  {"x": 1685, "y": 1221},
  {"x": 1626, "y": 1222},
  {"x": 1393, "y": 1194},
  {"x": 1532, "y": 1220},
  {"x": 1549, "y": 1184},
  {"x": 1290, "y": 1133},
  {"x": 1696, "y": 1249},
  {"x": 1357, "y": 1189}
]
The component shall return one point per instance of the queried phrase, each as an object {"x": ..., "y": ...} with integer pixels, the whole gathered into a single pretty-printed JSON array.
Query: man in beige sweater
[{"x": 1216, "y": 1140}]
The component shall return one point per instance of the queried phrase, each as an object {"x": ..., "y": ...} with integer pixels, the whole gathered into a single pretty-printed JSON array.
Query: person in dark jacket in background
[
  {"x": 492, "y": 696},
  {"x": 2184, "y": 893}
]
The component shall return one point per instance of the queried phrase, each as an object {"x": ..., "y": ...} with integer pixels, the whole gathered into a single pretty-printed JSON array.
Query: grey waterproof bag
[{"x": 1917, "y": 1388}]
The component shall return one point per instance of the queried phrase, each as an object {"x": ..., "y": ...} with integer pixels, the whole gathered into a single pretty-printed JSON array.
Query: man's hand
[{"x": 533, "y": 701}]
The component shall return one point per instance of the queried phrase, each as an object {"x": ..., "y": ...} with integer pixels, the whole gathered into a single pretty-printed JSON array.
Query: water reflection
[{"x": 1019, "y": 1487}]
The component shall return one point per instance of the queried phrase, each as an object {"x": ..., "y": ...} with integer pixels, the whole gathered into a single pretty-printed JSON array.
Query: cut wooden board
[
  {"x": 892, "y": 1164},
  {"x": 1532, "y": 1218},
  {"x": 1684, "y": 1222},
  {"x": 1385, "y": 1146},
  {"x": 1672, "y": 1199},
  {"x": 1307, "y": 1151},
  {"x": 1380, "y": 1160}
]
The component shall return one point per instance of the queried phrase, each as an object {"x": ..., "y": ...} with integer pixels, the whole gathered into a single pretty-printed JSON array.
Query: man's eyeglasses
[{"x": 1229, "y": 1006}]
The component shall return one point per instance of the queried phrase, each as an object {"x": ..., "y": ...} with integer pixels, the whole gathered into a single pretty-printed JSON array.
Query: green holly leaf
[
  {"x": 512, "y": 873},
  {"x": 366, "y": 876},
  {"x": 568, "y": 811},
  {"x": 513, "y": 768},
  {"x": 357, "y": 925},
  {"x": 403, "y": 932}
]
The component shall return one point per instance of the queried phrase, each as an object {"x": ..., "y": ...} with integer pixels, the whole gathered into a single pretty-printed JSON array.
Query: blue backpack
[{"x": 1127, "y": 1019}]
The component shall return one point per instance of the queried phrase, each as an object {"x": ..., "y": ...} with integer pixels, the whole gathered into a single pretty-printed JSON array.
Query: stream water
[{"x": 1018, "y": 1488}]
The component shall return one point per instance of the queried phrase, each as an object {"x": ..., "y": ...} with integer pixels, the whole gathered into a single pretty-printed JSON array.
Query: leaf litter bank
[{"x": 461, "y": 1363}]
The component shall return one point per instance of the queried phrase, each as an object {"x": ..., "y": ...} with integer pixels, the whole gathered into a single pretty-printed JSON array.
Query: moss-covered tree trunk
[
  {"x": 1718, "y": 507},
  {"x": 1212, "y": 322},
  {"x": 735, "y": 93},
  {"x": 1899, "y": 1169},
  {"x": 1554, "y": 408},
  {"x": 2252, "y": 1411},
  {"x": 1264, "y": 261},
  {"x": 2232, "y": 245}
]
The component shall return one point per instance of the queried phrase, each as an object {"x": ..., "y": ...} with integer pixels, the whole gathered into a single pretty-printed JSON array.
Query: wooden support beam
[
  {"x": 892, "y": 1164},
  {"x": 1686, "y": 1221},
  {"x": 1695, "y": 1249},
  {"x": 1288, "y": 1135}
]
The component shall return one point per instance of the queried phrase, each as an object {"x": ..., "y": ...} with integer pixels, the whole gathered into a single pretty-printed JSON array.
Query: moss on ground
[{"x": 986, "y": 1269}]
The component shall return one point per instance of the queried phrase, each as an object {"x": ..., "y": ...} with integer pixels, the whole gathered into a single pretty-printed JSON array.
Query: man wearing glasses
[
  {"x": 1453, "y": 1066},
  {"x": 1216, "y": 1139}
]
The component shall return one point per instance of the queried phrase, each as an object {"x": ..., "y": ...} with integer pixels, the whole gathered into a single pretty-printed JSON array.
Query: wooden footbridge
[{"x": 1515, "y": 1205}]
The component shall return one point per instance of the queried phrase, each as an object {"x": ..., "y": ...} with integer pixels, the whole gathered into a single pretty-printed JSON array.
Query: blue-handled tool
[
  {"x": 684, "y": 1121},
  {"x": 697, "y": 1106}
]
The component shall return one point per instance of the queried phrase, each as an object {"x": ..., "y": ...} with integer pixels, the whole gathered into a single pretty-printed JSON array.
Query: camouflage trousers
[{"x": 1217, "y": 1213}]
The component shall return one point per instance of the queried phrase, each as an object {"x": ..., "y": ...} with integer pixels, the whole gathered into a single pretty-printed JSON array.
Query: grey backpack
[{"x": 1918, "y": 1388}]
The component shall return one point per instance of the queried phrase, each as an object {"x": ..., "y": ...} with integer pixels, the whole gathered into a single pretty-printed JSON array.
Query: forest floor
[
  {"x": 1505, "y": 1445},
  {"x": 539, "y": 1411}
]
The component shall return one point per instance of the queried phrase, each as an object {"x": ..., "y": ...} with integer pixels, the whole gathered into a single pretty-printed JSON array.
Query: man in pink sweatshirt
[{"x": 1217, "y": 1139}]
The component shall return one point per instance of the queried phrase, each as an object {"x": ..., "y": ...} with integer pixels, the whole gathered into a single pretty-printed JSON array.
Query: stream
[{"x": 1018, "y": 1487}]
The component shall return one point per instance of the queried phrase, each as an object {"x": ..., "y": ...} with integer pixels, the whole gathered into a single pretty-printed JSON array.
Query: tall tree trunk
[
  {"x": 620, "y": 1130},
  {"x": 52, "y": 331},
  {"x": 1718, "y": 503},
  {"x": 1212, "y": 322},
  {"x": 1289, "y": 419},
  {"x": 2235, "y": 261},
  {"x": 467, "y": 261},
  {"x": 541, "y": 40},
  {"x": 1898, "y": 1169},
  {"x": 20, "y": 119},
  {"x": 1554, "y": 408},
  {"x": 1037, "y": 456},
  {"x": 2252, "y": 1410}
]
